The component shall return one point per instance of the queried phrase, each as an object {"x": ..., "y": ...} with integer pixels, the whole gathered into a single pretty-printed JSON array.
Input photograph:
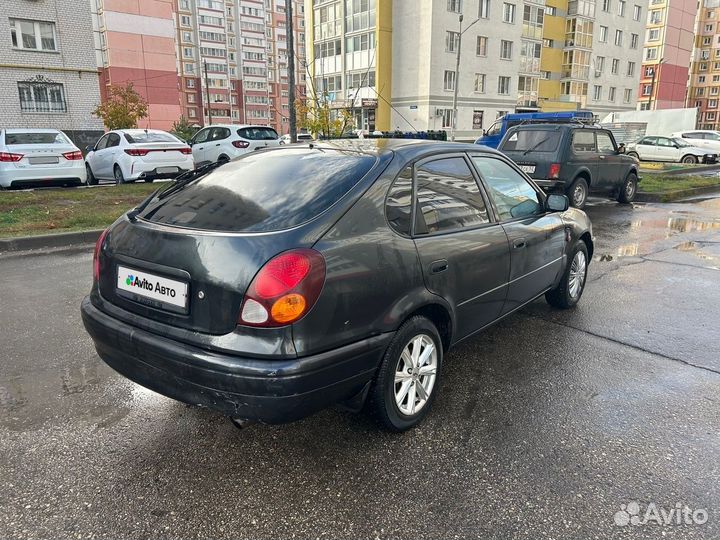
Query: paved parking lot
[{"x": 544, "y": 427}]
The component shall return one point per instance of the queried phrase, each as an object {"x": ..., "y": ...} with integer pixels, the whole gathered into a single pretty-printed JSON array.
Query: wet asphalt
[{"x": 545, "y": 425}]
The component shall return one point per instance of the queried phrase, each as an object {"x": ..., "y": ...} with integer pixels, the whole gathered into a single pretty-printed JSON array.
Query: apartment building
[
  {"x": 135, "y": 42},
  {"x": 233, "y": 60},
  {"x": 516, "y": 55},
  {"x": 47, "y": 68},
  {"x": 669, "y": 39},
  {"x": 704, "y": 84}
]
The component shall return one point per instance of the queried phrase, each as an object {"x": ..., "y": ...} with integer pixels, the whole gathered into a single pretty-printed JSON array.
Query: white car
[
  {"x": 670, "y": 149},
  {"x": 39, "y": 157},
  {"x": 126, "y": 155},
  {"x": 224, "y": 142},
  {"x": 702, "y": 138}
]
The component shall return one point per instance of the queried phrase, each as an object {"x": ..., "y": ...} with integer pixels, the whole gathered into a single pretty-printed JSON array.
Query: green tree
[
  {"x": 316, "y": 116},
  {"x": 183, "y": 129},
  {"x": 123, "y": 107}
]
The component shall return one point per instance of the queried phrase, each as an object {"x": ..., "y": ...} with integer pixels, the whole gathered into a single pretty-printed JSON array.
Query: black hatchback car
[
  {"x": 292, "y": 279},
  {"x": 574, "y": 159}
]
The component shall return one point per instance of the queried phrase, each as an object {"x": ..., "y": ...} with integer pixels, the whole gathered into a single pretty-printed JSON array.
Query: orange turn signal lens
[{"x": 288, "y": 308}]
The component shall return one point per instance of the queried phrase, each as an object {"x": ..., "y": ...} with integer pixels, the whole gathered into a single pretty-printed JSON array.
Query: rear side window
[
  {"x": 583, "y": 141},
  {"x": 218, "y": 134},
  {"x": 532, "y": 140},
  {"x": 36, "y": 138},
  {"x": 264, "y": 191},
  {"x": 448, "y": 198},
  {"x": 258, "y": 133},
  {"x": 140, "y": 137},
  {"x": 113, "y": 140},
  {"x": 648, "y": 141},
  {"x": 398, "y": 206}
]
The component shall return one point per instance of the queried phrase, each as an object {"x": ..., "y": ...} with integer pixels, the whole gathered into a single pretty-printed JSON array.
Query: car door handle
[
  {"x": 438, "y": 266},
  {"x": 218, "y": 144},
  {"x": 201, "y": 147},
  {"x": 519, "y": 243}
]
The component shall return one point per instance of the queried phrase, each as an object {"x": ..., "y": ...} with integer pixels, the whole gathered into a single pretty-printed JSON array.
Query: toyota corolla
[{"x": 300, "y": 277}]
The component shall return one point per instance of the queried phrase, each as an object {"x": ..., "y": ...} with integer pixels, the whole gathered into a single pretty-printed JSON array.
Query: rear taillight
[
  {"x": 240, "y": 144},
  {"x": 136, "y": 152},
  {"x": 96, "y": 255},
  {"x": 284, "y": 290},
  {"x": 8, "y": 157},
  {"x": 187, "y": 150},
  {"x": 554, "y": 170},
  {"x": 73, "y": 156}
]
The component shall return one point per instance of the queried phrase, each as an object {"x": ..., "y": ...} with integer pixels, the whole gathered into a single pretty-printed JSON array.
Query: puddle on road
[{"x": 696, "y": 249}]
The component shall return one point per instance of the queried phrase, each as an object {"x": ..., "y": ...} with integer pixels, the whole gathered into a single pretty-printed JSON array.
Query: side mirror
[
  {"x": 557, "y": 203},
  {"x": 621, "y": 149},
  {"x": 89, "y": 148},
  {"x": 676, "y": 146}
]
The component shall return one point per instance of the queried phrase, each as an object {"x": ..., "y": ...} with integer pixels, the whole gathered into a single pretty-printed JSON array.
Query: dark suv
[{"x": 573, "y": 158}]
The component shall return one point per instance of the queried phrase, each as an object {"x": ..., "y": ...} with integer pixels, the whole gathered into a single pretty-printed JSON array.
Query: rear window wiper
[
  {"x": 185, "y": 178},
  {"x": 533, "y": 147}
]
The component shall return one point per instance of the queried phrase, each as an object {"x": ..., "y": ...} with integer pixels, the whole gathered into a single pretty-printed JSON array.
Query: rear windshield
[
  {"x": 532, "y": 140},
  {"x": 264, "y": 191},
  {"x": 36, "y": 138},
  {"x": 258, "y": 133},
  {"x": 140, "y": 137}
]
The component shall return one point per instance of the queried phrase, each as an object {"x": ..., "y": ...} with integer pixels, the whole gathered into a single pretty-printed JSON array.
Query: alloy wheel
[
  {"x": 578, "y": 196},
  {"x": 578, "y": 269},
  {"x": 415, "y": 374}
]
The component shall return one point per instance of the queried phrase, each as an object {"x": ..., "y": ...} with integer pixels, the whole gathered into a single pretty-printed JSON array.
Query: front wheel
[
  {"x": 628, "y": 189},
  {"x": 689, "y": 159},
  {"x": 408, "y": 377},
  {"x": 578, "y": 192},
  {"x": 568, "y": 292}
]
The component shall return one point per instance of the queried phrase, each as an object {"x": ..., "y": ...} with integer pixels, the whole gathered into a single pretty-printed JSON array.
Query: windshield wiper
[
  {"x": 533, "y": 147},
  {"x": 185, "y": 178},
  {"x": 132, "y": 214}
]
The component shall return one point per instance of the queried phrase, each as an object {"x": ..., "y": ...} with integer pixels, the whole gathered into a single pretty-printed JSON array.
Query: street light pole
[{"x": 457, "y": 76}]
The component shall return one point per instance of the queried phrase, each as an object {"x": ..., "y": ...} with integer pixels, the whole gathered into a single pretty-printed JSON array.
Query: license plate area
[
  {"x": 152, "y": 290},
  {"x": 527, "y": 169},
  {"x": 49, "y": 160},
  {"x": 167, "y": 170}
]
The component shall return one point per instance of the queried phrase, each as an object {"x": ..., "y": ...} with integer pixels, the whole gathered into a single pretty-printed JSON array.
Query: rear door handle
[
  {"x": 438, "y": 266},
  {"x": 519, "y": 243},
  {"x": 218, "y": 144}
]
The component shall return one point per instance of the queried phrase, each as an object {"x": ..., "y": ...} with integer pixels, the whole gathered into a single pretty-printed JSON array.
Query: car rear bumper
[
  {"x": 141, "y": 169},
  {"x": 18, "y": 177},
  {"x": 265, "y": 390}
]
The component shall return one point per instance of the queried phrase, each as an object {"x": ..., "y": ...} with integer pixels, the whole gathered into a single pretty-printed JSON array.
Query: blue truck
[{"x": 494, "y": 134}]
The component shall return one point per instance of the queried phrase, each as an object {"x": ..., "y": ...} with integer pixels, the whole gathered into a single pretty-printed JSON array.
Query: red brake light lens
[
  {"x": 284, "y": 290},
  {"x": 96, "y": 255},
  {"x": 240, "y": 144},
  {"x": 73, "y": 156},
  {"x": 554, "y": 170},
  {"x": 9, "y": 157},
  {"x": 187, "y": 150},
  {"x": 136, "y": 152}
]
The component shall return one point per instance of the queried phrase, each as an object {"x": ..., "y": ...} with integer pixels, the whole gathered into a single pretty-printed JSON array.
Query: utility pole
[
  {"x": 291, "y": 69},
  {"x": 457, "y": 76},
  {"x": 207, "y": 91}
]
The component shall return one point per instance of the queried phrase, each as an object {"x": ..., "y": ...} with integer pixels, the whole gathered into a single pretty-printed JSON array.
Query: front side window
[
  {"x": 42, "y": 97},
  {"x": 604, "y": 143},
  {"x": 648, "y": 141},
  {"x": 514, "y": 197},
  {"x": 583, "y": 141},
  {"x": 447, "y": 197},
  {"x": 33, "y": 35}
]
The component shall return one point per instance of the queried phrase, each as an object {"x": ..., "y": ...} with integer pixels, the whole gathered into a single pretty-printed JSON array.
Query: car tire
[
  {"x": 629, "y": 189},
  {"x": 149, "y": 180},
  {"x": 91, "y": 180},
  {"x": 401, "y": 374},
  {"x": 689, "y": 159},
  {"x": 578, "y": 192},
  {"x": 634, "y": 155},
  {"x": 118, "y": 175},
  {"x": 223, "y": 159},
  {"x": 569, "y": 291}
]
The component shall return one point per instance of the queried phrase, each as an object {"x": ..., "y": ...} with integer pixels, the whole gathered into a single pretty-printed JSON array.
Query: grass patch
[
  {"x": 657, "y": 183},
  {"x": 43, "y": 211}
]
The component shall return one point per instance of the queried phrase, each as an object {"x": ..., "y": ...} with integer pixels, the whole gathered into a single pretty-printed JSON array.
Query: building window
[
  {"x": 634, "y": 39},
  {"x": 548, "y": 42},
  {"x": 508, "y": 13},
  {"x": 631, "y": 69},
  {"x": 615, "y": 66},
  {"x": 480, "y": 83},
  {"x": 33, "y": 35},
  {"x": 454, "y": 6},
  {"x": 481, "y": 46},
  {"x": 42, "y": 97},
  {"x": 621, "y": 8},
  {"x": 506, "y": 49},
  {"x": 449, "y": 80},
  {"x": 708, "y": 27},
  {"x": 503, "y": 85},
  {"x": 550, "y": 10},
  {"x": 651, "y": 53},
  {"x": 701, "y": 79},
  {"x": 184, "y": 20},
  {"x": 599, "y": 64},
  {"x": 545, "y": 75},
  {"x": 484, "y": 12},
  {"x": 452, "y": 40},
  {"x": 618, "y": 38},
  {"x": 649, "y": 70},
  {"x": 188, "y": 52},
  {"x": 712, "y": 103},
  {"x": 656, "y": 16},
  {"x": 190, "y": 83},
  {"x": 192, "y": 113},
  {"x": 627, "y": 95},
  {"x": 611, "y": 94},
  {"x": 637, "y": 12},
  {"x": 597, "y": 92},
  {"x": 646, "y": 89},
  {"x": 603, "y": 34},
  {"x": 653, "y": 34},
  {"x": 606, "y": 6}
]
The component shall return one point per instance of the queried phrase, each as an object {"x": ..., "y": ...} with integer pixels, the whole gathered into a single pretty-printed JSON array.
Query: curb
[
  {"x": 670, "y": 196},
  {"x": 44, "y": 241}
]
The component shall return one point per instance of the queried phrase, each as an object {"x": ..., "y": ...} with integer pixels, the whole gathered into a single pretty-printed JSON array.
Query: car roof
[
  {"x": 138, "y": 130},
  {"x": 556, "y": 126},
  {"x": 240, "y": 126},
  {"x": 405, "y": 148}
]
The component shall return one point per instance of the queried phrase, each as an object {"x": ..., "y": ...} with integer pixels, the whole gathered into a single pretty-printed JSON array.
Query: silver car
[
  {"x": 31, "y": 157},
  {"x": 670, "y": 149}
]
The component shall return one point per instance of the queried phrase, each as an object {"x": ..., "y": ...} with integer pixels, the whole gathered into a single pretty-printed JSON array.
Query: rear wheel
[
  {"x": 149, "y": 180},
  {"x": 572, "y": 284},
  {"x": 628, "y": 189},
  {"x": 689, "y": 159},
  {"x": 223, "y": 159},
  {"x": 118, "y": 174},
  {"x": 408, "y": 377},
  {"x": 91, "y": 180},
  {"x": 578, "y": 192}
]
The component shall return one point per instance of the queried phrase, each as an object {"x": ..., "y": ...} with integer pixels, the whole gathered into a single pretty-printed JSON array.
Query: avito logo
[{"x": 135, "y": 281}]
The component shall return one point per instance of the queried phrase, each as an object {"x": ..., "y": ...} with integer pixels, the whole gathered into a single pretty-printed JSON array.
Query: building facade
[
  {"x": 704, "y": 84},
  {"x": 669, "y": 41},
  {"x": 47, "y": 68},
  {"x": 516, "y": 56}
]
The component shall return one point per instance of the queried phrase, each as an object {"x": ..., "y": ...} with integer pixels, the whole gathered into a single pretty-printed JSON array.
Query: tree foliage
[
  {"x": 123, "y": 107},
  {"x": 315, "y": 115},
  {"x": 183, "y": 129}
]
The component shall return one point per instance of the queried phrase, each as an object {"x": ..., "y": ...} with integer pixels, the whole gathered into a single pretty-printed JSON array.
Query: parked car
[
  {"x": 702, "y": 138},
  {"x": 39, "y": 157},
  {"x": 301, "y": 137},
  {"x": 669, "y": 149},
  {"x": 226, "y": 142},
  {"x": 127, "y": 155},
  {"x": 243, "y": 293},
  {"x": 574, "y": 159},
  {"x": 493, "y": 135}
]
